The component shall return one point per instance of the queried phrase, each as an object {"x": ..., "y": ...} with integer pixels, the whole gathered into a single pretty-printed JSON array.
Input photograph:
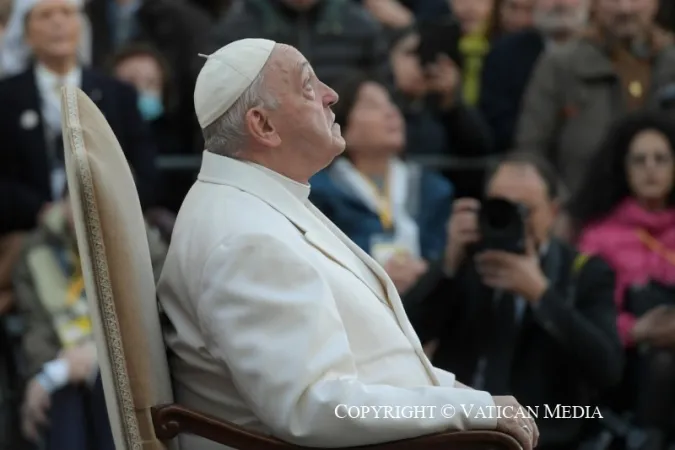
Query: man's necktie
[
  {"x": 500, "y": 351},
  {"x": 55, "y": 141}
]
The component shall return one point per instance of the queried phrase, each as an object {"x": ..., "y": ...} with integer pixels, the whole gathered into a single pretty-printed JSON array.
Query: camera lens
[{"x": 499, "y": 216}]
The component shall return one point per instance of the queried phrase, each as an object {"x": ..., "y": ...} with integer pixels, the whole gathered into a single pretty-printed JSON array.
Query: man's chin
[{"x": 340, "y": 144}]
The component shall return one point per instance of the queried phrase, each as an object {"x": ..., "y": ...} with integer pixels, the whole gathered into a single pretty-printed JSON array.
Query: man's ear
[
  {"x": 261, "y": 128},
  {"x": 556, "y": 208}
]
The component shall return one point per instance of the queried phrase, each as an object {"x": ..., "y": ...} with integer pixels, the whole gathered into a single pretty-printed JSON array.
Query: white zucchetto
[{"x": 226, "y": 74}]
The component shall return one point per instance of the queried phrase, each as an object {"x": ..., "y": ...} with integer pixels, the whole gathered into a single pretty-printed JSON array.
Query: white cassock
[{"x": 278, "y": 318}]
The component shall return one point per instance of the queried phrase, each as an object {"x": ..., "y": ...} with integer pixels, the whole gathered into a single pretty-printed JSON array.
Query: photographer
[{"x": 537, "y": 321}]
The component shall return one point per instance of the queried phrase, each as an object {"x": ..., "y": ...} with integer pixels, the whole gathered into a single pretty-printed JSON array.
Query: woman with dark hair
[
  {"x": 626, "y": 213},
  {"x": 394, "y": 210}
]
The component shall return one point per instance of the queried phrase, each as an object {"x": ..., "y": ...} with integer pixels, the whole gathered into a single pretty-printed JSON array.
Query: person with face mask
[
  {"x": 32, "y": 167},
  {"x": 143, "y": 67}
]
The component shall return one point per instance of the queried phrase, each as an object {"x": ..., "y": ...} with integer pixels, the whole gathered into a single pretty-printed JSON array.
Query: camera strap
[{"x": 552, "y": 269}]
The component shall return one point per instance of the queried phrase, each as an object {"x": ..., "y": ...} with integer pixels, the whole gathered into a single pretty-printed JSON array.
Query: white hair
[{"x": 227, "y": 135}]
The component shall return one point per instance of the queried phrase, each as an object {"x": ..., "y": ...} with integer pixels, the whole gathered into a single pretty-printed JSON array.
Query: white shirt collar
[
  {"x": 299, "y": 190},
  {"x": 47, "y": 80}
]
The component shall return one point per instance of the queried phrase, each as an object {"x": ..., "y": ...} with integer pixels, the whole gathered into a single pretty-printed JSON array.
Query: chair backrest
[{"x": 119, "y": 282}]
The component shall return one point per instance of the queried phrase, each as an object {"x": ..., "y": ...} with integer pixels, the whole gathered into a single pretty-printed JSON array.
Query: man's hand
[
  {"x": 81, "y": 362},
  {"x": 404, "y": 271},
  {"x": 519, "y": 274},
  {"x": 444, "y": 78},
  {"x": 34, "y": 411},
  {"x": 523, "y": 429},
  {"x": 656, "y": 327},
  {"x": 462, "y": 231},
  {"x": 390, "y": 12}
]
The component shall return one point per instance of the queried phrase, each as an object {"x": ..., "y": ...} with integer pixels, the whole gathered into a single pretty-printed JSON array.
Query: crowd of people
[{"x": 572, "y": 102}]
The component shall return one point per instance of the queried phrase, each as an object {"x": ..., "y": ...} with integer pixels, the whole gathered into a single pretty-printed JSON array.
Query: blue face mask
[{"x": 150, "y": 106}]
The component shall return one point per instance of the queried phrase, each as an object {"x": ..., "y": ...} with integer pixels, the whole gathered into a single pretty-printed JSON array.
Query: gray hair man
[{"x": 280, "y": 323}]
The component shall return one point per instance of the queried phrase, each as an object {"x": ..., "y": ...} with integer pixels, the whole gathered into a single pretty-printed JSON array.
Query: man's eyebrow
[{"x": 304, "y": 66}]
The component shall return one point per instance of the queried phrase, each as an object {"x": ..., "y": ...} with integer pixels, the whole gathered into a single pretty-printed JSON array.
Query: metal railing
[{"x": 193, "y": 162}]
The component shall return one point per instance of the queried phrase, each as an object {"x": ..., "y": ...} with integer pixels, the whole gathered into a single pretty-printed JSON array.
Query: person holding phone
[{"x": 428, "y": 83}]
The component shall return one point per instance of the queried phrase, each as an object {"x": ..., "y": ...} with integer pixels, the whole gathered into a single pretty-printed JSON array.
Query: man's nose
[
  {"x": 625, "y": 6},
  {"x": 330, "y": 97}
]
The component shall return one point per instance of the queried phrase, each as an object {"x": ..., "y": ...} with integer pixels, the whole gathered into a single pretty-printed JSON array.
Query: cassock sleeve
[{"x": 270, "y": 316}]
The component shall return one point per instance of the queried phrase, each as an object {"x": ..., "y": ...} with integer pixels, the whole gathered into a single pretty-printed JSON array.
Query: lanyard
[
  {"x": 384, "y": 210},
  {"x": 76, "y": 285},
  {"x": 657, "y": 247}
]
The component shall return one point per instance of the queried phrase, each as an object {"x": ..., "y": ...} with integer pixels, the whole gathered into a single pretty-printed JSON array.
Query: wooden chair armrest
[{"x": 171, "y": 420}]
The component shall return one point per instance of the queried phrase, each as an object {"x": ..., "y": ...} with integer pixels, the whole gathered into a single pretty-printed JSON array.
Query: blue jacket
[{"x": 433, "y": 195}]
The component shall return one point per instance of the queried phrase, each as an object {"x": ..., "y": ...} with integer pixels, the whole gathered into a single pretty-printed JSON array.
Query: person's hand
[
  {"x": 404, "y": 271},
  {"x": 656, "y": 327},
  {"x": 462, "y": 231},
  {"x": 444, "y": 78},
  {"x": 512, "y": 272},
  {"x": 519, "y": 425},
  {"x": 34, "y": 411},
  {"x": 81, "y": 362},
  {"x": 409, "y": 75}
]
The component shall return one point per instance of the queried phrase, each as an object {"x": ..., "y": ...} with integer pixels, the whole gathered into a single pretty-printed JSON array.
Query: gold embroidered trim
[{"x": 104, "y": 293}]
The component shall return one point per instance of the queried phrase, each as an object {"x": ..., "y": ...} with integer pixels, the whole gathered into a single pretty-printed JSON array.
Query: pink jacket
[{"x": 615, "y": 239}]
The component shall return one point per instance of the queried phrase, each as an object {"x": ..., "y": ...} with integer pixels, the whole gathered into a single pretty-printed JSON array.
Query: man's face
[
  {"x": 300, "y": 5},
  {"x": 626, "y": 19},
  {"x": 516, "y": 14},
  {"x": 561, "y": 16},
  {"x": 303, "y": 120},
  {"x": 472, "y": 14},
  {"x": 521, "y": 183},
  {"x": 53, "y": 29}
]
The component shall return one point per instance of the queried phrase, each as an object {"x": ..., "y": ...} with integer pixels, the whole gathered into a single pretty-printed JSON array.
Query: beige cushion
[{"x": 119, "y": 280}]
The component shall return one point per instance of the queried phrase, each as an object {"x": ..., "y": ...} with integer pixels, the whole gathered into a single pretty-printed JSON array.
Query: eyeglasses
[{"x": 641, "y": 160}]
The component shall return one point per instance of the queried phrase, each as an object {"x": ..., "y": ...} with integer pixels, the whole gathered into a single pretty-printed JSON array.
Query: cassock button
[{"x": 29, "y": 119}]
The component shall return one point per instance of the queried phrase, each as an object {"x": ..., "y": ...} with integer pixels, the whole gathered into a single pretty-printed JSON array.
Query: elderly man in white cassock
[{"x": 279, "y": 322}]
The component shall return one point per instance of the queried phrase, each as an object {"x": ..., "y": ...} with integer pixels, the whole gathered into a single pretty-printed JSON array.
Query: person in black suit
[
  {"x": 540, "y": 326},
  {"x": 32, "y": 174}
]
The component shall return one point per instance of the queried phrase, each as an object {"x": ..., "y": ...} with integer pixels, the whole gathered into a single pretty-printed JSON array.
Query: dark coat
[
  {"x": 24, "y": 164},
  {"x": 506, "y": 72},
  {"x": 567, "y": 348},
  {"x": 430, "y": 200},
  {"x": 335, "y": 36}
]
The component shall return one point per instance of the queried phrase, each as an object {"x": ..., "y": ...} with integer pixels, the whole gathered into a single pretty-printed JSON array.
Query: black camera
[{"x": 502, "y": 225}]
